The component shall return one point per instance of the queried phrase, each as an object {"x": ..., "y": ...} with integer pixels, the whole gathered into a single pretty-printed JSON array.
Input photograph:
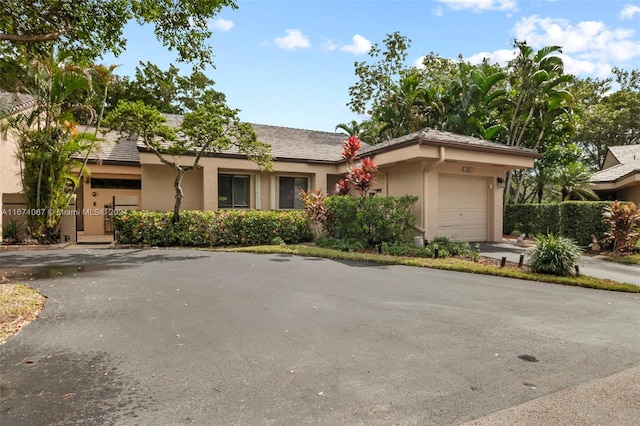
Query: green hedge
[
  {"x": 371, "y": 221},
  {"x": 212, "y": 228},
  {"x": 578, "y": 220}
]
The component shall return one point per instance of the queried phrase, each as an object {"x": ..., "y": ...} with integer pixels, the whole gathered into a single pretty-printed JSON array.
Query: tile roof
[
  {"x": 625, "y": 153},
  {"x": 617, "y": 172},
  {"x": 629, "y": 158},
  {"x": 288, "y": 143},
  {"x": 114, "y": 149},
  {"x": 13, "y": 102},
  {"x": 302, "y": 145},
  {"x": 438, "y": 137}
]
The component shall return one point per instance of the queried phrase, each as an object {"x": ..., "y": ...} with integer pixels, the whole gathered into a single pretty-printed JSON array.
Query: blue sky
[{"x": 290, "y": 63}]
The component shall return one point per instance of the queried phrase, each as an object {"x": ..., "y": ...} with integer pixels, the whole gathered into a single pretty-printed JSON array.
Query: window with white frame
[
  {"x": 290, "y": 192},
  {"x": 233, "y": 191}
]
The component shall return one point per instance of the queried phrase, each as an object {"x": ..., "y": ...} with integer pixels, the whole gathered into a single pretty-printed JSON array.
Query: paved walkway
[{"x": 589, "y": 265}]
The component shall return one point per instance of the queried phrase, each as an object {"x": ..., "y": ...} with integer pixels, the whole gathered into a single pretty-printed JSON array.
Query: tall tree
[
  {"x": 537, "y": 92},
  {"x": 90, "y": 28},
  {"x": 377, "y": 80},
  {"x": 611, "y": 117}
]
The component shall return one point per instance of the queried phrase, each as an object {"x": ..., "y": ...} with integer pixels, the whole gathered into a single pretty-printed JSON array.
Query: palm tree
[
  {"x": 573, "y": 182},
  {"x": 537, "y": 80},
  {"x": 105, "y": 77},
  {"x": 351, "y": 129},
  {"x": 48, "y": 139}
]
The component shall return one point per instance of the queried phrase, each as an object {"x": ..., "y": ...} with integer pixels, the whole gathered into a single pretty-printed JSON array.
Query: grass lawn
[
  {"x": 19, "y": 305},
  {"x": 631, "y": 259},
  {"x": 450, "y": 264}
]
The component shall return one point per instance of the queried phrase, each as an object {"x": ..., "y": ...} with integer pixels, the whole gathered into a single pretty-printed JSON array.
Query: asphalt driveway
[{"x": 166, "y": 337}]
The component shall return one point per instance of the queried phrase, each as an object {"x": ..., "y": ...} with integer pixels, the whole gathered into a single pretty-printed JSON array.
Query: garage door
[{"x": 462, "y": 207}]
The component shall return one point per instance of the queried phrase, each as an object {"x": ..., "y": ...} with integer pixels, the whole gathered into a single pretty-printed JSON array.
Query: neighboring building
[
  {"x": 458, "y": 179},
  {"x": 619, "y": 178}
]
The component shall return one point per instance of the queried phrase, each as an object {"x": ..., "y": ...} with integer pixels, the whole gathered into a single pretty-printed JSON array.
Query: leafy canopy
[{"x": 89, "y": 28}]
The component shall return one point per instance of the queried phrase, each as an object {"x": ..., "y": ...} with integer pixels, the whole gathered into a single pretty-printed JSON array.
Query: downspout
[{"x": 425, "y": 171}]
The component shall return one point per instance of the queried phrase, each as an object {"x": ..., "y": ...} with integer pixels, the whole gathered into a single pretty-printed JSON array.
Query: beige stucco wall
[
  {"x": 631, "y": 193},
  {"x": 422, "y": 178},
  {"x": 202, "y": 184},
  {"x": 609, "y": 161},
  {"x": 9, "y": 169},
  {"x": 158, "y": 192},
  {"x": 410, "y": 170},
  {"x": 91, "y": 208}
]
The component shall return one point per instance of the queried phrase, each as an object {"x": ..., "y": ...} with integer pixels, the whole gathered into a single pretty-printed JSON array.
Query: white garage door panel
[{"x": 462, "y": 207}]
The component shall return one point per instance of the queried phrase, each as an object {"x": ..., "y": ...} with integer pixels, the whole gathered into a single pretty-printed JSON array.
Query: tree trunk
[{"x": 179, "y": 194}]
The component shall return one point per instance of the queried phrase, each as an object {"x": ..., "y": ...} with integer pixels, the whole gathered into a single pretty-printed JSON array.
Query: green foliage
[
  {"x": 90, "y": 28},
  {"x": 445, "y": 247},
  {"x": 12, "y": 229},
  {"x": 343, "y": 244},
  {"x": 531, "y": 219},
  {"x": 623, "y": 221},
  {"x": 451, "y": 246},
  {"x": 578, "y": 220},
  {"x": 581, "y": 220},
  {"x": 370, "y": 220},
  {"x": 554, "y": 254},
  {"x": 167, "y": 91},
  {"x": 48, "y": 139},
  {"x": 212, "y": 228}
]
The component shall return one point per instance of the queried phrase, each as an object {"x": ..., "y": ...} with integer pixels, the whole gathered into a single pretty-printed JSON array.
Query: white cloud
[
  {"x": 480, "y": 5},
  {"x": 221, "y": 25},
  {"x": 437, "y": 11},
  {"x": 629, "y": 11},
  {"x": 293, "y": 40},
  {"x": 501, "y": 57},
  {"x": 582, "y": 67},
  {"x": 359, "y": 45},
  {"x": 329, "y": 45},
  {"x": 586, "y": 40}
]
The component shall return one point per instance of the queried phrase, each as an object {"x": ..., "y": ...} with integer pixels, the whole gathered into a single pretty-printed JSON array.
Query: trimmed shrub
[
  {"x": 531, "y": 219},
  {"x": 212, "y": 228},
  {"x": 344, "y": 244},
  {"x": 578, "y": 220},
  {"x": 371, "y": 221},
  {"x": 446, "y": 247},
  {"x": 554, "y": 254}
]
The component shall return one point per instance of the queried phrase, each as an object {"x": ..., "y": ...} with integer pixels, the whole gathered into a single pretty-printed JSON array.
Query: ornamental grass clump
[{"x": 554, "y": 254}]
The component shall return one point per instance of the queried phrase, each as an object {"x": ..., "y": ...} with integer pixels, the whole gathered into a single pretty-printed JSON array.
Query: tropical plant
[
  {"x": 538, "y": 96},
  {"x": 352, "y": 128},
  {"x": 623, "y": 220},
  {"x": 12, "y": 229},
  {"x": 554, "y": 254},
  {"x": 574, "y": 181},
  {"x": 48, "y": 139}
]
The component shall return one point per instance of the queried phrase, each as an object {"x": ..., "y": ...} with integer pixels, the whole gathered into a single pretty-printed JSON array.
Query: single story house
[
  {"x": 619, "y": 178},
  {"x": 458, "y": 179}
]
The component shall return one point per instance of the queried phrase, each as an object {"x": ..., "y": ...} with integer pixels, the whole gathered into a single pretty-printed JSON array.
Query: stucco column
[{"x": 210, "y": 187}]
